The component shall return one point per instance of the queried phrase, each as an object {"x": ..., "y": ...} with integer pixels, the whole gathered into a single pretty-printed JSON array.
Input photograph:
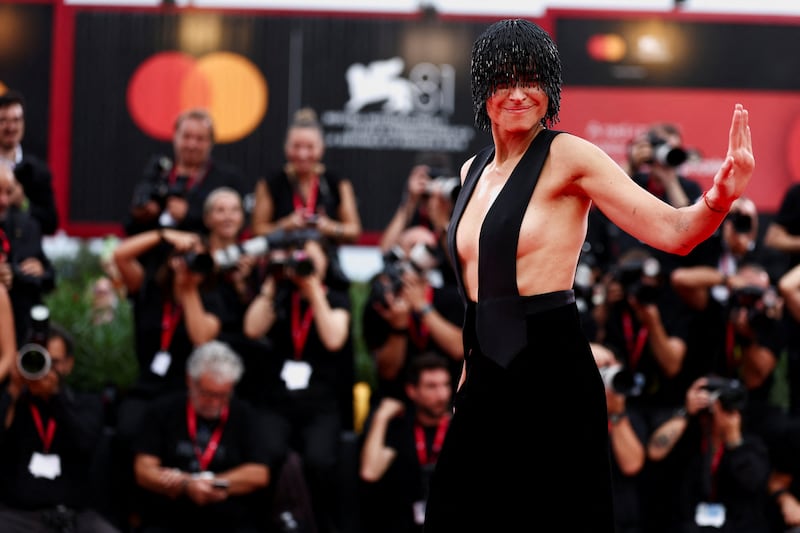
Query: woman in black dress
[{"x": 528, "y": 445}]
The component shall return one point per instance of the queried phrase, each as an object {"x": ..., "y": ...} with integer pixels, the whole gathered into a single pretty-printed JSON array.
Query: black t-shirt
[
  {"x": 244, "y": 439},
  {"x": 78, "y": 426},
  {"x": 388, "y": 504}
]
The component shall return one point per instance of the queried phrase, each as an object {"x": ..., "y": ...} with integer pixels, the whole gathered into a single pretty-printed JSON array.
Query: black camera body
[
  {"x": 665, "y": 154},
  {"x": 296, "y": 261},
  {"x": 731, "y": 393},
  {"x": 741, "y": 222},
  {"x": 157, "y": 186},
  {"x": 33, "y": 359},
  {"x": 761, "y": 304},
  {"x": 420, "y": 259},
  {"x": 632, "y": 276}
]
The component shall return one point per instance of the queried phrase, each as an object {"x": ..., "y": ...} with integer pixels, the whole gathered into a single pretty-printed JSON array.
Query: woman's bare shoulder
[{"x": 575, "y": 152}]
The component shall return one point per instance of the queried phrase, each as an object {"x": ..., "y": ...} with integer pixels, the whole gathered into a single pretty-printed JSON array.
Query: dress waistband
[{"x": 498, "y": 325}]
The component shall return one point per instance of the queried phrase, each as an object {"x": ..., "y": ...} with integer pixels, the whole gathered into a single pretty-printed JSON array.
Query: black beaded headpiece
[{"x": 509, "y": 52}]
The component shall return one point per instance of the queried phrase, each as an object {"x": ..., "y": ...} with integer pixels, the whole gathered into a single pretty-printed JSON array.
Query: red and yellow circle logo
[{"x": 228, "y": 85}]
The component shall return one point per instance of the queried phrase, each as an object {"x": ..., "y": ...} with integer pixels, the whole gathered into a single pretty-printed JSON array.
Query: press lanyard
[
  {"x": 730, "y": 347},
  {"x": 438, "y": 440},
  {"x": 300, "y": 328},
  {"x": 634, "y": 348},
  {"x": 47, "y": 437},
  {"x": 417, "y": 329},
  {"x": 170, "y": 316},
  {"x": 204, "y": 457},
  {"x": 310, "y": 206},
  {"x": 715, "y": 460}
]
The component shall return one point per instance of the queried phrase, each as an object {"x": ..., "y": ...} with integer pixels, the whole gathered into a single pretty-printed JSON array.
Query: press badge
[
  {"x": 419, "y": 512},
  {"x": 45, "y": 465},
  {"x": 296, "y": 374},
  {"x": 161, "y": 363},
  {"x": 710, "y": 514}
]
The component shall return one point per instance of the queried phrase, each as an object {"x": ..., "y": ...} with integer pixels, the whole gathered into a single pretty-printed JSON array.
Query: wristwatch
[{"x": 616, "y": 418}]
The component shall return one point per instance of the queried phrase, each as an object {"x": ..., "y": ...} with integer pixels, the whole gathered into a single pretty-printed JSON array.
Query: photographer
[
  {"x": 647, "y": 331},
  {"x": 627, "y": 433},
  {"x": 405, "y": 314},
  {"x": 202, "y": 459},
  {"x": 308, "y": 381},
  {"x": 723, "y": 469},
  {"x": 655, "y": 157},
  {"x": 400, "y": 448},
  {"x": 47, "y": 444},
  {"x": 428, "y": 200},
  {"x": 172, "y": 192},
  {"x": 25, "y": 270}
]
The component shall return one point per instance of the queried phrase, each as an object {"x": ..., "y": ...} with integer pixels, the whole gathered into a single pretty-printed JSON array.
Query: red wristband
[{"x": 711, "y": 207}]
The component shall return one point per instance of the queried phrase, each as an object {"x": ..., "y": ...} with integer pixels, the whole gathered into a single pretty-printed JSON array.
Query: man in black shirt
[{"x": 47, "y": 446}]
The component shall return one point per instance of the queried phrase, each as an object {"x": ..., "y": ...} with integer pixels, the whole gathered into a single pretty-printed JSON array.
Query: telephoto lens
[{"x": 33, "y": 359}]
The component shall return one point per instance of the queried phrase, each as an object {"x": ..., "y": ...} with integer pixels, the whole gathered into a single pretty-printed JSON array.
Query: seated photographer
[
  {"x": 722, "y": 468},
  {"x": 627, "y": 433},
  {"x": 172, "y": 192},
  {"x": 405, "y": 314},
  {"x": 309, "y": 380},
  {"x": 202, "y": 458},
  {"x": 401, "y": 446},
  {"x": 48, "y": 437}
]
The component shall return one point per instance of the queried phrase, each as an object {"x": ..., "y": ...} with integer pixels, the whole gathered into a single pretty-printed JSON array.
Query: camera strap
[
  {"x": 438, "y": 440},
  {"x": 46, "y": 436},
  {"x": 300, "y": 328},
  {"x": 635, "y": 346},
  {"x": 417, "y": 329},
  {"x": 204, "y": 457},
  {"x": 309, "y": 206},
  {"x": 170, "y": 316}
]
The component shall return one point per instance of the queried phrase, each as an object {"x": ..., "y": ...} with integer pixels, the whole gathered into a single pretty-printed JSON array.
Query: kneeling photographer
[
  {"x": 722, "y": 466},
  {"x": 48, "y": 437},
  {"x": 410, "y": 311}
]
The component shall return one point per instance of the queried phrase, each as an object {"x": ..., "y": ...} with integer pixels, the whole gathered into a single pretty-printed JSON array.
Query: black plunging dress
[{"x": 527, "y": 448}]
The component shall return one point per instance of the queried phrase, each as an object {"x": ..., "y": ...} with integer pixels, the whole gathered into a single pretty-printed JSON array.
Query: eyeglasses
[{"x": 10, "y": 120}]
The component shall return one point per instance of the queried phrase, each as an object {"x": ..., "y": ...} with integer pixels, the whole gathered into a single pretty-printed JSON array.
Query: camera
[
  {"x": 731, "y": 393},
  {"x": 742, "y": 223},
  {"x": 420, "y": 259},
  {"x": 33, "y": 359},
  {"x": 199, "y": 262},
  {"x": 664, "y": 154},
  {"x": 632, "y": 276},
  {"x": 297, "y": 261},
  {"x": 621, "y": 380},
  {"x": 444, "y": 187},
  {"x": 761, "y": 304},
  {"x": 157, "y": 186},
  {"x": 261, "y": 245}
]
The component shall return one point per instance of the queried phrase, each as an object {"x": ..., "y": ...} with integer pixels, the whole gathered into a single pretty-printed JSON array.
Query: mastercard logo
[
  {"x": 608, "y": 47},
  {"x": 228, "y": 85}
]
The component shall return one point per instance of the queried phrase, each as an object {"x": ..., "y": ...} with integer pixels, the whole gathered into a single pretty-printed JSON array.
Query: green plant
[{"x": 104, "y": 353}]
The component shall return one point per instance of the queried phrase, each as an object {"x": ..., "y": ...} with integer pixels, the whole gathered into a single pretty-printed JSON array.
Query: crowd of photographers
[{"x": 243, "y": 330}]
